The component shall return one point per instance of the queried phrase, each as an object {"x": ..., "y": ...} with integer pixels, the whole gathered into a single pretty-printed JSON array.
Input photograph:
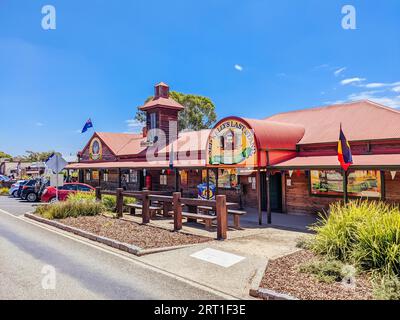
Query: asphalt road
[{"x": 31, "y": 254}]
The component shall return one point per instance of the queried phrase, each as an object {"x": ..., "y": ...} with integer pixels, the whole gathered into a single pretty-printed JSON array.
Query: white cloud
[
  {"x": 339, "y": 71},
  {"x": 375, "y": 85},
  {"x": 39, "y": 124},
  {"x": 390, "y": 101},
  {"x": 238, "y": 67},
  {"x": 134, "y": 125},
  {"x": 396, "y": 89},
  {"x": 352, "y": 80}
]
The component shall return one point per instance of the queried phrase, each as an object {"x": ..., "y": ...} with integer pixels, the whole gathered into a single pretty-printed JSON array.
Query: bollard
[
  {"x": 177, "y": 211},
  {"x": 222, "y": 217},
  {"x": 145, "y": 207},
  {"x": 120, "y": 202}
]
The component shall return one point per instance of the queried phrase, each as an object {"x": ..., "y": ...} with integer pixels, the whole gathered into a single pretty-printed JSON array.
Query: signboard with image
[
  {"x": 361, "y": 183},
  {"x": 232, "y": 142}
]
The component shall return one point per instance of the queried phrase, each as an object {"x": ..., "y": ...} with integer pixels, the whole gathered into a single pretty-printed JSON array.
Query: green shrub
[
  {"x": 361, "y": 232},
  {"x": 81, "y": 196},
  {"x": 324, "y": 270},
  {"x": 4, "y": 191},
  {"x": 68, "y": 208},
  {"x": 386, "y": 288}
]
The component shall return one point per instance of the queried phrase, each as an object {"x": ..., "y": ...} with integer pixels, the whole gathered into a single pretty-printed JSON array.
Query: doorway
[{"x": 275, "y": 191}]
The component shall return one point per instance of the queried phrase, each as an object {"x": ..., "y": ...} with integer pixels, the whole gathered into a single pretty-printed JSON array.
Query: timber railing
[{"x": 176, "y": 201}]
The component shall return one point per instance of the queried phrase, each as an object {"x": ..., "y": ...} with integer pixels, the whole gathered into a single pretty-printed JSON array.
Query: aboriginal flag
[{"x": 344, "y": 153}]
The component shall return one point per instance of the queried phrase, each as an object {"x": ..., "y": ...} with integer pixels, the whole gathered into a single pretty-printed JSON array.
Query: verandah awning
[
  {"x": 376, "y": 161},
  {"x": 136, "y": 164}
]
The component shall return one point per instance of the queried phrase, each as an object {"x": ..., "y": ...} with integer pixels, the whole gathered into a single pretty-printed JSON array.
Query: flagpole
[{"x": 345, "y": 193}]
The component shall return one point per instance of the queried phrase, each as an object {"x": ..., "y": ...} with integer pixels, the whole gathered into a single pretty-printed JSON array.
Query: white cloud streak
[
  {"x": 339, "y": 71},
  {"x": 352, "y": 81},
  {"x": 238, "y": 67}
]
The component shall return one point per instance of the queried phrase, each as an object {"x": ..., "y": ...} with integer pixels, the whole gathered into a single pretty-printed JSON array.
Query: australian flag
[{"x": 87, "y": 125}]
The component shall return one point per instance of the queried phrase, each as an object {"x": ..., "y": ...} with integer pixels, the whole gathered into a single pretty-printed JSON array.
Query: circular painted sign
[
  {"x": 95, "y": 149},
  {"x": 232, "y": 142}
]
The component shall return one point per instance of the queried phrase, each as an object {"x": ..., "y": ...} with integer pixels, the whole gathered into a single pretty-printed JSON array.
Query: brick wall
[{"x": 300, "y": 201}]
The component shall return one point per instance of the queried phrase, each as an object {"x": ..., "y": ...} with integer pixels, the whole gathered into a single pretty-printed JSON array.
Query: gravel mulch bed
[
  {"x": 145, "y": 237},
  {"x": 282, "y": 276}
]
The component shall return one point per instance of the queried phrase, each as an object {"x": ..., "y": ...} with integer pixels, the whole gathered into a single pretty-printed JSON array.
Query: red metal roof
[
  {"x": 361, "y": 120},
  {"x": 136, "y": 164},
  {"x": 121, "y": 143},
  {"x": 162, "y": 102},
  {"x": 276, "y": 135},
  {"x": 377, "y": 160}
]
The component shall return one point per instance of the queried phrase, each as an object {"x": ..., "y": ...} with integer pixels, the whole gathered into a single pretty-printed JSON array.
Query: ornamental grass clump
[
  {"x": 364, "y": 233},
  {"x": 4, "y": 191},
  {"x": 61, "y": 210}
]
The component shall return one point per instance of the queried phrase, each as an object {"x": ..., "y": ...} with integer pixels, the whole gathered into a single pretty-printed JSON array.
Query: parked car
[
  {"x": 33, "y": 189},
  {"x": 15, "y": 187},
  {"x": 4, "y": 178},
  {"x": 49, "y": 194}
]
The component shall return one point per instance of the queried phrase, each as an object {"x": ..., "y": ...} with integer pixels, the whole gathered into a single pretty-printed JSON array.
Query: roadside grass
[
  {"x": 364, "y": 234},
  {"x": 65, "y": 209},
  {"x": 80, "y": 204},
  {"x": 4, "y": 191},
  {"x": 109, "y": 201}
]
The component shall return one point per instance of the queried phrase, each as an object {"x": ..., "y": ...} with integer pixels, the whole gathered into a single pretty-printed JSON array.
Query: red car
[{"x": 49, "y": 194}]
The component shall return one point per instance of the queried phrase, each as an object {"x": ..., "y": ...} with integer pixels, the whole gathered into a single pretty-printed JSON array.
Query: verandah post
[
  {"x": 177, "y": 211},
  {"x": 98, "y": 193},
  {"x": 222, "y": 217},
  {"x": 120, "y": 202},
  {"x": 269, "y": 213}
]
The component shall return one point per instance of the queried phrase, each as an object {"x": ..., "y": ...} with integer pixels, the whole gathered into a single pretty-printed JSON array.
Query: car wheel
[
  {"x": 53, "y": 200},
  {"x": 31, "y": 197},
  {"x": 15, "y": 194}
]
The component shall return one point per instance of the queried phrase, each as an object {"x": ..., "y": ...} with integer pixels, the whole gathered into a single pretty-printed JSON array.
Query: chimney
[
  {"x": 144, "y": 132},
  {"x": 161, "y": 90}
]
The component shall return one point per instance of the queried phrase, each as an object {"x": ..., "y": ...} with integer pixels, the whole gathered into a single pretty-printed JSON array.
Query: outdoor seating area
[{"x": 152, "y": 203}]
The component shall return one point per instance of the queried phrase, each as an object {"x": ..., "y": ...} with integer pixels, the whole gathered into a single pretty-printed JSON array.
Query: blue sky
[{"x": 105, "y": 56}]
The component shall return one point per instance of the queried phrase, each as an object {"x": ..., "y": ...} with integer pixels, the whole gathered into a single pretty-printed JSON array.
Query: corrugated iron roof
[
  {"x": 163, "y": 102},
  {"x": 373, "y": 160},
  {"x": 361, "y": 120}
]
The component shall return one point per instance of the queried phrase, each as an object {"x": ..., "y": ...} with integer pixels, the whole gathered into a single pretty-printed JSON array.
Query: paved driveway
[
  {"x": 15, "y": 206},
  {"x": 29, "y": 252}
]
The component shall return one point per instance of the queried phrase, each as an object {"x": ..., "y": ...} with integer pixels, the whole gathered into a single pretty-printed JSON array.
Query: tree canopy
[
  {"x": 199, "y": 112},
  {"x": 33, "y": 156},
  {"x": 5, "y": 155}
]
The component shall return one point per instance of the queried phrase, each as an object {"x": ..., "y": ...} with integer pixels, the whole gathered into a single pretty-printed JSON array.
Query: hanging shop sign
[
  {"x": 95, "y": 149},
  {"x": 232, "y": 142}
]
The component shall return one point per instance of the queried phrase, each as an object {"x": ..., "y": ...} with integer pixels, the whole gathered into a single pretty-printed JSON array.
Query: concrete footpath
[{"x": 233, "y": 266}]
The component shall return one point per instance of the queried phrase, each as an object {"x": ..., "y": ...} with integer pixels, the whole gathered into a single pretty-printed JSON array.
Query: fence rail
[{"x": 175, "y": 202}]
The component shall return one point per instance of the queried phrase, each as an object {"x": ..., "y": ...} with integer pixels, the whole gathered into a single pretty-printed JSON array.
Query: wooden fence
[{"x": 175, "y": 201}]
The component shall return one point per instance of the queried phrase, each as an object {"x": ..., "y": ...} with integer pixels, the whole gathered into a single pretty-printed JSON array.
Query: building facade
[{"x": 285, "y": 163}]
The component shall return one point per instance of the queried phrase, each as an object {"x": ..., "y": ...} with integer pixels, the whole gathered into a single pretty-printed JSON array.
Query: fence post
[
  {"x": 177, "y": 211},
  {"x": 120, "y": 202},
  {"x": 98, "y": 193},
  {"x": 222, "y": 217},
  {"x": 145, "y": 207}
]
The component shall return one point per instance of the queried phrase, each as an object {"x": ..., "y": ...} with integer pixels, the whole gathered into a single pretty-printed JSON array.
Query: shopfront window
[
  {"x": 105, "y": 175},
  {"x": 361, "y": 183},
  {"x": 227, "y": 178}
]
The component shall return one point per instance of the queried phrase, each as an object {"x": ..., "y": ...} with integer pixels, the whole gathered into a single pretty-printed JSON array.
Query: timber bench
[
  {"x": 205, "y": 217},
  {"x": 153, "y": 209},
  {"x": 236, "y": 216},
  {"x": 235, "y": 213}
]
